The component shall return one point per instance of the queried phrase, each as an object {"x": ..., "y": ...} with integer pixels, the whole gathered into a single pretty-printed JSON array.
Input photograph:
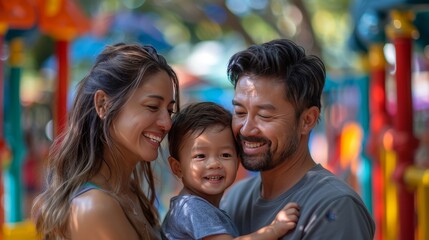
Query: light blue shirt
[{"x": 192, "y": 217}]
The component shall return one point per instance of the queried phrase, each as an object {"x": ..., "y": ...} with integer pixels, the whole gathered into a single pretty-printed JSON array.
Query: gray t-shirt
[
  {"x": 329, "y": 208},
  {"x": 192, "y": 217}
]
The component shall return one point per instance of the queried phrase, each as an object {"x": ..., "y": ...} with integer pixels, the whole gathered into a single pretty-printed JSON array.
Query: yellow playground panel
[{"x": 19, "y": 231}]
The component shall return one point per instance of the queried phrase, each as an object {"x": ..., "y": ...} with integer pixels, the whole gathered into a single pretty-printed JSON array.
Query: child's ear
[
  {"x": 175, "y": 166},
  {"x": 100, "y": 103}
]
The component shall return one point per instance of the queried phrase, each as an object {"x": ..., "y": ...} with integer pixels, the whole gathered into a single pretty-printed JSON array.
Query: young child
[{"x": 203, "y": 154}]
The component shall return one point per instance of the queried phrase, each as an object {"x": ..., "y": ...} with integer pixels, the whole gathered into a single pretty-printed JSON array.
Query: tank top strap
[{"x": 85, "y": 188}]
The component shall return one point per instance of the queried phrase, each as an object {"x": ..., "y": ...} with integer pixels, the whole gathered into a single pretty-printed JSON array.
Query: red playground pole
[
  {"x": 61, "y": 87},
  {"x": 401, "y": 32},
  {"x": 379, "y": 122},
  {"x": 63, "y": 23}
]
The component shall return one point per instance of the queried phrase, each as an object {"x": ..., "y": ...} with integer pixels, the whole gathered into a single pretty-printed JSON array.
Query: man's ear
[
  {"x": 175, "y": 166},
  {"x": 100, "y": 103},
  {"x": 309, "y": 119}
]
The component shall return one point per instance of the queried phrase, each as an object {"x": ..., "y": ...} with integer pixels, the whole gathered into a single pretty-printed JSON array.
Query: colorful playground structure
[
  {"x": 63, "y": 21},
  {"x": 378, "y": 143}
]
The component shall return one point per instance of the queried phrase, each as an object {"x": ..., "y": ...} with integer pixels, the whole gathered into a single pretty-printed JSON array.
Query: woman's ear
[
  {"x": 309, "y": 119},
  {"x": 100, "y": 103},
  {"x": 175, "y": 166}
]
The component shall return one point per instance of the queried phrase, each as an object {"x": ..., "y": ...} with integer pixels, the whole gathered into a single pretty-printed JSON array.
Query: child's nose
[{"x": 214, "y": 163}]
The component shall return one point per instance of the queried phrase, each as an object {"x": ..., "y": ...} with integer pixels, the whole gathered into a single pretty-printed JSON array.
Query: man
[{"x": 277, "y": 103}]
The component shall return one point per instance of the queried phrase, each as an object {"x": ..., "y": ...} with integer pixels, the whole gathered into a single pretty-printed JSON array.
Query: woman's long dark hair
[{"x": 77, "y": 154}]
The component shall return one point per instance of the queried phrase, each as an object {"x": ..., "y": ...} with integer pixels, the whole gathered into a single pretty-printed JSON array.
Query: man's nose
[{"x": 248, "y": 127}]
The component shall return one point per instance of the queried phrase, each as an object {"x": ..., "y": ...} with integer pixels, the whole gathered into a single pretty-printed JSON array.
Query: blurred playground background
[{"x": 375, "y": 128}]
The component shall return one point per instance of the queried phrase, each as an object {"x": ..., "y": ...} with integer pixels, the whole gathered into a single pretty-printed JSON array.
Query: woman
[{"x": 96, "y": 169}]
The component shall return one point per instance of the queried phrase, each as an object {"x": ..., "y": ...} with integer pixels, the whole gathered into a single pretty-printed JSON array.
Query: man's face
[{"x": 264, "y": 123}]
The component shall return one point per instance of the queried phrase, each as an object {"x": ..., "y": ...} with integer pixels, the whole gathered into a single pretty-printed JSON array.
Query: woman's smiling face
[{"x": 145, "y": 119}]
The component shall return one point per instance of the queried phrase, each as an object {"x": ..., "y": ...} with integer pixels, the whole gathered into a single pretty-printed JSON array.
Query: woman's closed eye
[
  {"x": 152, "y": 108},
  {"x": 171, "y": 111}
]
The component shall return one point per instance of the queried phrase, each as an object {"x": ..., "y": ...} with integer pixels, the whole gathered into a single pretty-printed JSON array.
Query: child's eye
[
  {"x": 226, "y": 155},
  {"x": 199, "y": 156}
]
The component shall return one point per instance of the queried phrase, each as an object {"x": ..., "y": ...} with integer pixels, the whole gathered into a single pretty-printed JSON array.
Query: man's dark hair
[{"x": 303, "y": 76}]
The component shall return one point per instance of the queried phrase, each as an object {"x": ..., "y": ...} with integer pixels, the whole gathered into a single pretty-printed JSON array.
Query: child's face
[{"x": 209, "y": 162}]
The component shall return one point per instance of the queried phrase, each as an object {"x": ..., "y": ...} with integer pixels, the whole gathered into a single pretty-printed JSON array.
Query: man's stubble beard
[{"x": 265, "y": 161}]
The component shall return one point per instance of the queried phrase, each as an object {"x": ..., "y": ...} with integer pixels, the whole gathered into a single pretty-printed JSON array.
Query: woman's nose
[{"x": 165, "y": 121}]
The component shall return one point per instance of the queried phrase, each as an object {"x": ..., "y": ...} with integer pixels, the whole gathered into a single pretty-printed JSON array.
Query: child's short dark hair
[{"x": 196, "y": 118}]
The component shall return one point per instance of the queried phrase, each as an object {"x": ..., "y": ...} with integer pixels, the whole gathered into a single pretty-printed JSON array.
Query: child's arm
[{"x": 285, "y": 220}]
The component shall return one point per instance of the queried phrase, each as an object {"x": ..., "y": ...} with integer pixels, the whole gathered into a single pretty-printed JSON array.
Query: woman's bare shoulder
[{"x": 98, "y": 215}]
